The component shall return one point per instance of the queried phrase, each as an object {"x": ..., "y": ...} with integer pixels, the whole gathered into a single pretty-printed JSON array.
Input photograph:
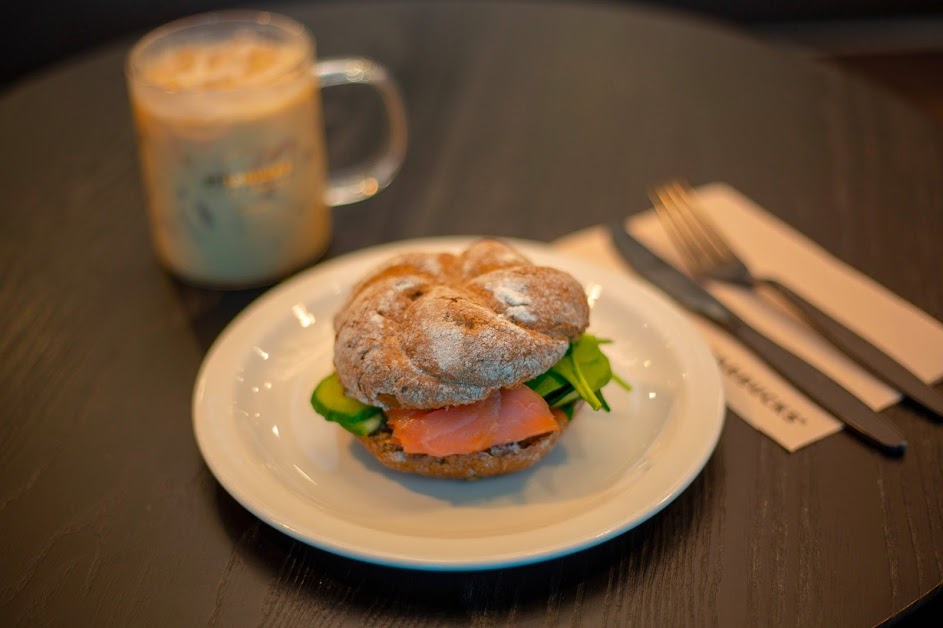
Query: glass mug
[{"x": 231, "y": 143}]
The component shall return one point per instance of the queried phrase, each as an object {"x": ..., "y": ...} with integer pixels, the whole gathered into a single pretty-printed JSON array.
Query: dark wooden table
[{"x": 526, "y": 120}]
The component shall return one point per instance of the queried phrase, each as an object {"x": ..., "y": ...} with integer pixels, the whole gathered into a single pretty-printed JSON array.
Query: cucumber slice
[
  {"x": 330, "y": 400},
  {"x": 365, "y": 427}
]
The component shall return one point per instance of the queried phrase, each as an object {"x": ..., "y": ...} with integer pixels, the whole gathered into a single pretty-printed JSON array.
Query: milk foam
[
  {"x": 245, "y": 60},
  {"x": 220, "y": 82}
]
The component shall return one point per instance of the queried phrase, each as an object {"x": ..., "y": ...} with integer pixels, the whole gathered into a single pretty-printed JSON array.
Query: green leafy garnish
[
  {"x": 580, "y": 374},
  {"x": 568, "y": 409},
  {"x": 547, "y": 383},
  {"x": 622, "y": 383}
]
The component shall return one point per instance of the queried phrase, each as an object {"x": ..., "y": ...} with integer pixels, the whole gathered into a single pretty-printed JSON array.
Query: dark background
[{"x": 41, "y": 32}]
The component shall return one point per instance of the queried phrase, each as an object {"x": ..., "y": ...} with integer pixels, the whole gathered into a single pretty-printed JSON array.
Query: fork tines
[{"x": 689, "y": 229}]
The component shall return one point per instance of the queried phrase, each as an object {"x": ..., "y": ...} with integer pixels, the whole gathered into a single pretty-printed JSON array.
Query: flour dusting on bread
[{"x": 427, "y": 330}]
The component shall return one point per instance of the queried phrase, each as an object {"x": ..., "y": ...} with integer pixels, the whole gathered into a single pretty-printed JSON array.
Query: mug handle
[{"x": 361, "y": 182}]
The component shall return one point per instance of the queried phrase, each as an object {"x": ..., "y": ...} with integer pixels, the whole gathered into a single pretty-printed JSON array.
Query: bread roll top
[{"x": 428, "y": 330}]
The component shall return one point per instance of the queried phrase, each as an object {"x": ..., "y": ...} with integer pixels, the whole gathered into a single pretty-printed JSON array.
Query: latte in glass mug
[{"x": 231, "y": 143}]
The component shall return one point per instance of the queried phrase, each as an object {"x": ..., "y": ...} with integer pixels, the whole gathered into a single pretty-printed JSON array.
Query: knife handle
[
  {"x": 883, "y": 366},
  {"x": 823, "y": 390}
]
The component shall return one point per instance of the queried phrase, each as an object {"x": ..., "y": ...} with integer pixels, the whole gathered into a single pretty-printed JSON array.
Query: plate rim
[{"x": 216, "y": 463}]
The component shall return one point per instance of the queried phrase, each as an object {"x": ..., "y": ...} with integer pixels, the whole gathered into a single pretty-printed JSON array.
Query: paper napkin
[{"x": 753, "y": 391}]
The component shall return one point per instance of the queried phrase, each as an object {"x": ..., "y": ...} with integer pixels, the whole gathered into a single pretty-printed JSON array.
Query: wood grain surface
[{"x": 527, "y": 120}]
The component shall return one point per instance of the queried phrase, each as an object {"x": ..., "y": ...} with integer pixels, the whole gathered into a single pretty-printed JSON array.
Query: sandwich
[{"x": 463, "y": 365}]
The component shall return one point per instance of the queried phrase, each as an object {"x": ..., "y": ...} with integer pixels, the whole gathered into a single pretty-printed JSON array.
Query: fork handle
[{"x": 862, "y": 351}]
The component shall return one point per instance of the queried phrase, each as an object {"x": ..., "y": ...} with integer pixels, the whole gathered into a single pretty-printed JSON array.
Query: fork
[{"x": 708, "y": 255}]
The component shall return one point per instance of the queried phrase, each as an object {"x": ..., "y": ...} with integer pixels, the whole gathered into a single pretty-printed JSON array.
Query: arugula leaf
[
  {"x": 626, "y": 386},
  {"x": 568, "y": 368},
  {"x": 568, "y": 409},
  {"x": 559, "y": 400},
  {"x": 605, "y": 405},
  {"x": 587, "y": 369},
  {"x": 547, "y": 384},
  {"x": 592, "y": 362},
  {"x": 581, "y": 373}
]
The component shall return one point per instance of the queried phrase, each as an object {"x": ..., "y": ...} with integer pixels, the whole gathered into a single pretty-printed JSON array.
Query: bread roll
[{"x": 429, "y": 330}]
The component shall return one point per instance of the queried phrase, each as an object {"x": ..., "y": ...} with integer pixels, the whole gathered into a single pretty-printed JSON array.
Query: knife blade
[
  {"x": 864, "y": 422},
  {"x": 867, "y": 355}
]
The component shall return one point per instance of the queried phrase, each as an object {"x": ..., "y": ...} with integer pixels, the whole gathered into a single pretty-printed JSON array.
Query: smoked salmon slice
[{"x": 507, "y": 416}]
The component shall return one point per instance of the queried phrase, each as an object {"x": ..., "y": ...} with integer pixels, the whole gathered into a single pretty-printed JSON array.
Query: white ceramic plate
[{"x": 312, "y": 480}]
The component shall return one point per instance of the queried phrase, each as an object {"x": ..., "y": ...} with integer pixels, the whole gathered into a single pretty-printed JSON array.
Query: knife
[
  {"x": 850, "y": 410},
  {"x": 881, "y": 365}
]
